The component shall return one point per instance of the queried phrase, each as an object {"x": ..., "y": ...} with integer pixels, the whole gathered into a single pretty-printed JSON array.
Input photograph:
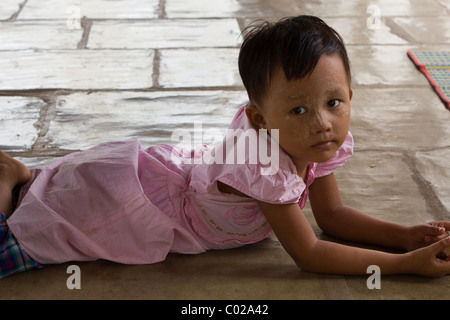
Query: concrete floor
[{"x": 74, "y": 74}]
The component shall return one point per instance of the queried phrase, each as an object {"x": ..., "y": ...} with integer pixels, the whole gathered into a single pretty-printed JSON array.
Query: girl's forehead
[
  {"x": 328, "y": 77},
  {"x": 326, "y": 92}
]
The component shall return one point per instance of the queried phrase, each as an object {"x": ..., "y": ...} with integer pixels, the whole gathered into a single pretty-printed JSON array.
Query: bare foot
[{"x": 12, "y": 172}]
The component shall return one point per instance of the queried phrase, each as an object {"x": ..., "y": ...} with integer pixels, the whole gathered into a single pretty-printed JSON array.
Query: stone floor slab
[
  {"x": 384, "y": 8},
  {"x": 272, "y": 10},
  {"x": 201, "y": 9},
  {"x": 20, "y": 35},
  {"x": 151, "y": 117},
  {"x": 76, "y": 69},
  {"x": 356, "y": 31},
  {"x": 92, "y": 9},
  {"x": 435, "y": 167},
  {"x": 33, "y": 162},
  {"x": 402, "y": 287},
  {"x": 18, "y": 119},
  {"x": 428, "y": 30},
  {"x": 380, "y": 183},
  {"x": 165, "y": 34},
  {"x": 399, "y": 118},
  {"x": 265, "y": 9},
  {"x": 261, "y": 271},
  {"x": 199, "y": 68},
  {"x": 383, "y": 65}
]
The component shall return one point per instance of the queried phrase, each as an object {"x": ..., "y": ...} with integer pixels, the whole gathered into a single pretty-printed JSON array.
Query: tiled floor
[{"x": 75, "y": 73}]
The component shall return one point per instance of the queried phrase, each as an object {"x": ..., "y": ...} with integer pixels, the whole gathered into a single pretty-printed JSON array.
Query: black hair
[{"x": 294, "y": 43}]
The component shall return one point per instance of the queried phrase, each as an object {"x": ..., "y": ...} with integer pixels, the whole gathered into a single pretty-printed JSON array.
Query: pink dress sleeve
[{"x": 338, "y": 160}]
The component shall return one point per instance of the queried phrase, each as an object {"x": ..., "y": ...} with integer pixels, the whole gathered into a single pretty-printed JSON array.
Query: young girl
[{"x": 119, "y": 202}]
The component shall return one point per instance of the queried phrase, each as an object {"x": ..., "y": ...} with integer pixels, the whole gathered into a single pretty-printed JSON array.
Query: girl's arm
[
  {"x": 344, "y": 222},
  {"x": 314, "y": 255}
]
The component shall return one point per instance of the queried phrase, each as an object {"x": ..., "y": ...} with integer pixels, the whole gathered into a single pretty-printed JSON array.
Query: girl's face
[{"x": 312, "y": 113}]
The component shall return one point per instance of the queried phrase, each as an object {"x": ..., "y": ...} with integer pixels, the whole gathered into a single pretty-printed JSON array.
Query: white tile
[
  {"x": 201, "y": 8},
  {"x": 384, "y": 65},
  {"x": 151, "y": 117},
  {"x": 18, "y": 117},
  {"x": 385, "y": 8},
  {"x": 355, "y": 31},
  {"x": 76, "y": 69},
  {"x": 165, "y": 33},
  {"x": 32, "y": 162},
  {"x": 427, "y": 29},
  {"x": 199, "y": 68},
  {"x": 93, "y": 9},
  {"x": 38, "y": 34},
  {"x": 386, "y": 175},
  {"x": 399, "y": 118}
]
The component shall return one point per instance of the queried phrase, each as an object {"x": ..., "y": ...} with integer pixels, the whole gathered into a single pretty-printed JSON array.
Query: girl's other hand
[{"x": 427, "y": 262}]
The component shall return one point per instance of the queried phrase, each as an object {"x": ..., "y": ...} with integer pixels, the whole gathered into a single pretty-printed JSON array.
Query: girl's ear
[{"x": 255, "y": 116}]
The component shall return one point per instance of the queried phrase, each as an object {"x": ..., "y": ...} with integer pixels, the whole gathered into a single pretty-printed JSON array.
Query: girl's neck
[{"x": 302, "y": 170}]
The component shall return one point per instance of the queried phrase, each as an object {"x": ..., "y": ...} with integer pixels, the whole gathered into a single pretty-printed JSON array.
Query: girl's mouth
[{"x": 323, "y": 144}]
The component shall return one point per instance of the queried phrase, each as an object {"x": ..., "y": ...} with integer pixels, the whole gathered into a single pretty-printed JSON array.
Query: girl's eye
[
  {"x": 333, "y": 103},
  {"x": 298, "y": 110}
]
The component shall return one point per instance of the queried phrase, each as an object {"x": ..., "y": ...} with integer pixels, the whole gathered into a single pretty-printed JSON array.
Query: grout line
[
  {"x": 444, "y": 8},
  {"x": 397, "y": 30},
  {"x": 63, "y": 91},
  {"x": 156, "y": 69},
  {"x": 162, "y": 9},
  {"x": 46, "y": 114},
  {"x": 434, "y": 205},
  {"x": 15, "y": 14},
  {"x": 86, "y": 24}
]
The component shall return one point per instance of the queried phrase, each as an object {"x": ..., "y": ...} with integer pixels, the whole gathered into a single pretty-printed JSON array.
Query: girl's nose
[{"x": 321, "y": 122}]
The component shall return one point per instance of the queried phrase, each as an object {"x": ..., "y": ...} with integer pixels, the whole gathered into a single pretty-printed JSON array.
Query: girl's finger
[
  {"x": 433, "y": 239},
  {"x": 442, "y": 245}
]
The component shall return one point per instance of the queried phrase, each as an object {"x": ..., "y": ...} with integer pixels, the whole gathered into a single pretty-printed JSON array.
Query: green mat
[{"x": 435, "y": 65}]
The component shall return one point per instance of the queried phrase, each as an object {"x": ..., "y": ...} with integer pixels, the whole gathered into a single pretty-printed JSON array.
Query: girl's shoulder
[{"x": 248, "y": 162}]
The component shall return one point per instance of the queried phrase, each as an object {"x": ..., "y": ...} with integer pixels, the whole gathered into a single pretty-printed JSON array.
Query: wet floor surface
[{"x": 78, "y": 73}]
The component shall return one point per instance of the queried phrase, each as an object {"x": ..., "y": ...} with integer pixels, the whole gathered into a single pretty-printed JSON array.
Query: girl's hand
[
  {"x": 440, "y": 224},
  {"x": 422, "y": 235},
  {"x": 425, "y": 261}
]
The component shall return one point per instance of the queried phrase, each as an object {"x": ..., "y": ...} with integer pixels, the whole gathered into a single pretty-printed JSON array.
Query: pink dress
[{"x": 121, "y": 203}]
